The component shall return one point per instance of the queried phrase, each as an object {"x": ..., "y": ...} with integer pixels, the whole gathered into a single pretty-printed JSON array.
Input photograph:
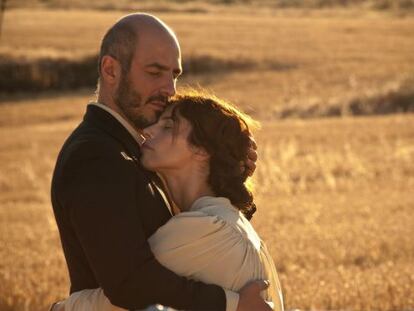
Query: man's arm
[{"x": 100, "y": 192}]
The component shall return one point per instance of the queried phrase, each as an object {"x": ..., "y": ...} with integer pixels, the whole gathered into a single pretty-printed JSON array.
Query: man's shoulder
[
  {"x": 86, "y": 147},
  {"x": 88, "y": 140}
]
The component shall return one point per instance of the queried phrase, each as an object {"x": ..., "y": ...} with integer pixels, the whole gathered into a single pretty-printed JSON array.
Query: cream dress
[{"x": 213, "y": 243}]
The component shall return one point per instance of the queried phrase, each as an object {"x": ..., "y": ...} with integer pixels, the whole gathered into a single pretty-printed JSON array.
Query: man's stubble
[{"x": 130, "y": 103}]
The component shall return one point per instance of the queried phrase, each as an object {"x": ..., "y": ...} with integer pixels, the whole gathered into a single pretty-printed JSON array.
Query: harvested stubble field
[{"x": 334, "y": 195}]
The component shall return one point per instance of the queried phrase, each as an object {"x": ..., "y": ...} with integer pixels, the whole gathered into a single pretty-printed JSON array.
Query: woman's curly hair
[{"x": 223, "y": 132}]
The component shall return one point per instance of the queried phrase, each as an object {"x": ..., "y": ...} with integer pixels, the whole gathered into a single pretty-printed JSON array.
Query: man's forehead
[
  {"x": 158, "y": 51},
  {"x": 157, "y": 40}
]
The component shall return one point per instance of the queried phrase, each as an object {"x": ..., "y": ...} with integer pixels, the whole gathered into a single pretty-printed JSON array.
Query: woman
[{"x": 197, "y": 148}]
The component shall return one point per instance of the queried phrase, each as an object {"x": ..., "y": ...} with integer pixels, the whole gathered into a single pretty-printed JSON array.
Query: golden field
[{"x": 334, "y": 195}]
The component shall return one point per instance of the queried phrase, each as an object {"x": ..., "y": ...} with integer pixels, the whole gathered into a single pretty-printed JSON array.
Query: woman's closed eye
[{"x": 167, "y": 124}]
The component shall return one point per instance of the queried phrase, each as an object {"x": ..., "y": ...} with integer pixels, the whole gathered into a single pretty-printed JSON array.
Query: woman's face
[{"x": 167, "y": 147}]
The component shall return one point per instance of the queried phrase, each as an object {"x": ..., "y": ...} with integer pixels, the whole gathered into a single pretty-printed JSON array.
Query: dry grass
[{"x": 334, "y": 195}]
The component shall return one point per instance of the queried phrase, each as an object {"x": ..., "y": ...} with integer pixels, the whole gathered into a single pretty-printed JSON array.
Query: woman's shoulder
[
  {"x": 189, "y": 225},
  {"x": 210, "y": 219},
  {"x": 208, "y": 211},
  {"x": 232, "y": 216},
  {"x": 216, "y": 206},
  {"x": 189, "y": 231},
  {"x": 204, "y": 222}
]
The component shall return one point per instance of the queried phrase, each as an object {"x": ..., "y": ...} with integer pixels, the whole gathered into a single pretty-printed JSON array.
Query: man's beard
[{"x": 129, "y": 101}]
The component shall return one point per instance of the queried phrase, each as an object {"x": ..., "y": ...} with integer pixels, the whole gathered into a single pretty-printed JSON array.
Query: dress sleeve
[
  {"x": 89, "y": 300},
  {"x": 189, "y": 241},
  {"x": 195, "y": 245},
  {"x": 275, "y": 290}
]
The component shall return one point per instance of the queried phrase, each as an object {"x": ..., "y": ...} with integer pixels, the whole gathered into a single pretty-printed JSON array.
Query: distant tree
[{"x": 2, "y": 9}]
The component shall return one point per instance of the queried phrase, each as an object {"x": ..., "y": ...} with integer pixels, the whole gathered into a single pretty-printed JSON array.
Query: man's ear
[{"x": 110, "y": 70}]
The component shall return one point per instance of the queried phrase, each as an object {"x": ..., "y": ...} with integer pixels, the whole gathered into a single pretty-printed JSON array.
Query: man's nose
[{"x": 169, "y": 87}]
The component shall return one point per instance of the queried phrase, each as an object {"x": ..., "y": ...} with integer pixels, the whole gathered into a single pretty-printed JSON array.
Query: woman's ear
[
  {"x": 110, "y": 70},
  {"x": 201, "y": 154}
]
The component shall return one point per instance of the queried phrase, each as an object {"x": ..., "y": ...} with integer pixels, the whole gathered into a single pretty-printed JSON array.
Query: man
[{"x": 106, "y": 205}]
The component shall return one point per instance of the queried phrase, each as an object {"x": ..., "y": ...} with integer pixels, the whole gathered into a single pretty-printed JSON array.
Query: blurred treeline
[
  {"x": 42, "y": 74},
  {"x": 63, "y": 74}
]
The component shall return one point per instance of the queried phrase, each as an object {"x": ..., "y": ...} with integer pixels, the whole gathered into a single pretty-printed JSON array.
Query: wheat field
[{"x": 334, "y": 195}]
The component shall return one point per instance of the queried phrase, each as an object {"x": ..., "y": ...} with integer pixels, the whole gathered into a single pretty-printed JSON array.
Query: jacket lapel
[{"x": 106, "y": 122}]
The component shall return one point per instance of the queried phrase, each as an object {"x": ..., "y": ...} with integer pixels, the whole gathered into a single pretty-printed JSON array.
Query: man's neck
[
  {"x": 117, "y": 114},
  {"x": 110, "y": 103}
]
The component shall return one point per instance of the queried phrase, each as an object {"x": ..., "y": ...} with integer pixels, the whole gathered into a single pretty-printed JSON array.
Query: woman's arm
[{"x": 87, "y": 300}]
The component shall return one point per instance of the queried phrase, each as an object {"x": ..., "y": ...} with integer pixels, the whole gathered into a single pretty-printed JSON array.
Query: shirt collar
[{"x": 139, "y": 138}]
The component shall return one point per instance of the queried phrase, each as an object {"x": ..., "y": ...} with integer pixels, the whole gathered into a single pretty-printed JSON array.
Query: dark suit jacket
[{"x": 106, "y": 207}]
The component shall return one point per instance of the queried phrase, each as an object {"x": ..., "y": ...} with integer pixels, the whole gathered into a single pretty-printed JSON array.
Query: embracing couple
[{"x": 149, "y": 190}]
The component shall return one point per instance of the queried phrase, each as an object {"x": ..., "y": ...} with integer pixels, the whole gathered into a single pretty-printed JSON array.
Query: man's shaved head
[
  {"x": 120, "y": 42},
  {"x": 139, "y": 63}
]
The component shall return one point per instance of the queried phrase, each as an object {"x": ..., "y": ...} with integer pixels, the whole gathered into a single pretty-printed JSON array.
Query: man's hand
[
  {"x": 250, "y": 298},
  {"x": 250, "y": 163}
]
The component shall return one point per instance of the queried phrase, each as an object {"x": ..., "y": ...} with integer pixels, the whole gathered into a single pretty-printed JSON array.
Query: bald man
[{"x": 105, "y": 203}]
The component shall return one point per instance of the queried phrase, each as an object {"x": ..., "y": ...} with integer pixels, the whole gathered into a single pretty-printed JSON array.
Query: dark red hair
[{"x": 223, "y": 132}]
